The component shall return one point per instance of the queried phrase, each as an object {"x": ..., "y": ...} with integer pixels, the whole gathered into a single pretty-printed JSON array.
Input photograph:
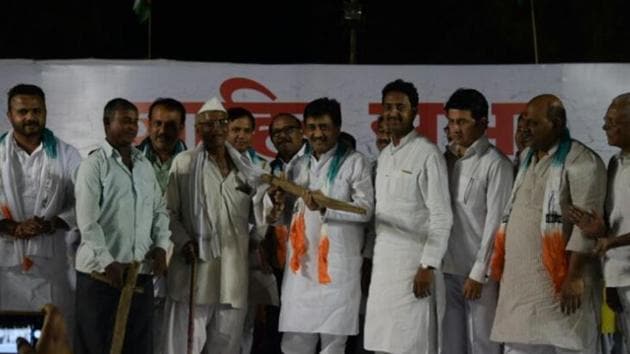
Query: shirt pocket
[
  {"x": 471, "y": 191},
  {"x": 404, "y": 184}
]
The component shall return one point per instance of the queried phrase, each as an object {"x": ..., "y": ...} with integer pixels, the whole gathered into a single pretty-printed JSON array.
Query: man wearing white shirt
[
  {"x": 413, "y": 223},
  {"x": 321, "y": 287},
  {"x": 37, "y": 208},
  {"x": 122, "y": 218},
  {"x": 480, "y": 183}
]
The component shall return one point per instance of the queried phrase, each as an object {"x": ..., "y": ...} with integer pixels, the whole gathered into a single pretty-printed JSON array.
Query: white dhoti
[
  {"x": 516, "y": 348},
  {"x": 467, "y": 324},
  {"x": 218, "y": 328}
]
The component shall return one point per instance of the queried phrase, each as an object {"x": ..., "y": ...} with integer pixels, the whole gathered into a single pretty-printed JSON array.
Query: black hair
[
  {"x": 170, "y": 104},
  {"x": 324, "y": 106},
  {"x": 468, "y": 100},
  {"x": 405, "y": 87},
  {"x": 117, "y": 104},
  {"x": 26, "y": 90},
  {"x": 240, "y": 112}
]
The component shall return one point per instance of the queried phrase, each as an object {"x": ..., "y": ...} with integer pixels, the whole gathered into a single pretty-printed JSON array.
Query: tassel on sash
[
  {"x": 555, "y": 258},
  {"x": 298, "y": 241},
  {"x": 322, "y": 257}
]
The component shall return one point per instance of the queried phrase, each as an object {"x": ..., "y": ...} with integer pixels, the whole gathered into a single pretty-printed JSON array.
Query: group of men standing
[{"x": 468, "y": 257}]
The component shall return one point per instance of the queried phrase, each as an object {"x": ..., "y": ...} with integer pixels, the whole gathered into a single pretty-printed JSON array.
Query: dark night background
[{"x": 305, "y": 31}]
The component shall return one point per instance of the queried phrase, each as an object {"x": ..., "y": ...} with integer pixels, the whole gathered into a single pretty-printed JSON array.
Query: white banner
[{"x": 77, "y": 90}]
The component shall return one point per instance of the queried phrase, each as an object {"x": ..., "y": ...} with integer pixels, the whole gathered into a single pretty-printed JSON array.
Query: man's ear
[{"x": 483, "y": 122}]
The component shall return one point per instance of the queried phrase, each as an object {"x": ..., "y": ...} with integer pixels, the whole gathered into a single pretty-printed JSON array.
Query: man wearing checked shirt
[{"x": 122, "y": 218}]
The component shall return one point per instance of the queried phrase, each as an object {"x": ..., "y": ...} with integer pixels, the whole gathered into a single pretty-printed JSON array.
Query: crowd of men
[{"x": 460, "y": 251}]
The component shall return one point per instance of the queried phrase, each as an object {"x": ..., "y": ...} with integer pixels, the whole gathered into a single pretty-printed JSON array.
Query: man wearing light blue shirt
[{"x": 122, "y": 218}]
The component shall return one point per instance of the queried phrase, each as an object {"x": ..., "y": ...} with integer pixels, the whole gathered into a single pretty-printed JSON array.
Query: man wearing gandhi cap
[{"x": 209, "y": 207}]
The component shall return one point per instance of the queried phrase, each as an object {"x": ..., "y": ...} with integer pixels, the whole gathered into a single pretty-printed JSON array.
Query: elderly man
[
  {"x": 413, "y": 223},
  {"x": 548, "y": 280},
  {"x": 321, "y": 288},
  {"x": 480, "y": 182},
  {"x": 210, "y": 206},
  {"x": 122, "y": 218},
  {"x": 612, "y": 232},
  {"x": 37, "y": 207}
]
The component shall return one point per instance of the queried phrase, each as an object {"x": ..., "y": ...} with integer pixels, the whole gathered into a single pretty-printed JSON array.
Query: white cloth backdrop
[{"x": 77, "y": 90}]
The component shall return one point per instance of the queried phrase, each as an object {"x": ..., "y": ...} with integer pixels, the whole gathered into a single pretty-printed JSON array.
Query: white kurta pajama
[
  {"x": 311, "y": 309},
  {"x": 413, "y": 222},
  {"x": 40, "y": 184},
  {"x": 480, "y": 185},
  {"x": 222, "y": 281},
  {"x": 528, "y": 310},
  {"x": 617, "y": 260}
]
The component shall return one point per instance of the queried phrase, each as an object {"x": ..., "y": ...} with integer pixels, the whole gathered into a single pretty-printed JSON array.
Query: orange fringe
[
  {"x": 322, "y": 264},
  {"x": 282, "y": 236},
  {"x": 27, "y": 263},
  {"x": 555, "y": 258},
  {"x": 6, "y": 212},
  {"x": 298, "y": 241},
  {"x": 497, "y": 261}
]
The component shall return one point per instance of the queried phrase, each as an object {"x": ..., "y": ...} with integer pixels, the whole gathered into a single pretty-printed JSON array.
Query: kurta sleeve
[
  {"x": 88, "y": 192},
  {"x": 160, "y": 232},
  {"x": 433, "y": 185},
  {"x": 73, "y": 160},
  {"x": 498, "y": 193},
  {"x": 177, "y": 176},
  {"x": 586, "y": 178},
  {"x": 361, "y": 193}
]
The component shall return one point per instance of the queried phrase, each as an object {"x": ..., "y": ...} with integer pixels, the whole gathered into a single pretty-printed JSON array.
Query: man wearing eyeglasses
[{"x": 210, "y": 208}]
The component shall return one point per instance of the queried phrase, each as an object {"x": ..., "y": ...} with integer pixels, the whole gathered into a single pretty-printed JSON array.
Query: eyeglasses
[
  {"x": 284, "y": 131},
  {"x": 214, "y": 123}
]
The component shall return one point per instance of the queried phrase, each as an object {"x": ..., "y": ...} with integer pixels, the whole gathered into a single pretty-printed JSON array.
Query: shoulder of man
[{"x": 582, "y": 155}]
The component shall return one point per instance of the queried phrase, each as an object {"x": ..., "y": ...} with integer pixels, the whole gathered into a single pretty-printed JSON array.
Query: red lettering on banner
[{"x": 503, "y": 130}]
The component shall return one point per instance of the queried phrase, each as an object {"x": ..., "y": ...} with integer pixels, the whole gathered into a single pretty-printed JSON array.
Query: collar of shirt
[
  {"x": 316, "y": 164},
  {"x": 407, "y": 138},
  {"x": 478, "y": 147},
  {"x": 110, "y": 151},
  {"x": 19, "y": 149},
  {"x": 623, "y": 157}
]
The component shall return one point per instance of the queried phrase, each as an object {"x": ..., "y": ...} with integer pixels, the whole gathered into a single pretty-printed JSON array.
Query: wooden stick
[
  {"x": 191, "y": 306},
  {"x": 102, "y": 278},
  {"x": 321, "y": 199},
  {"x": 124, "y": 305}
]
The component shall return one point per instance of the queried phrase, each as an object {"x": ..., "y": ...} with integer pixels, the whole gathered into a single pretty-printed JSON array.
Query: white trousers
[
  {"x": 467, "y": 324},
  {"x": 218, "y": 328},
  {"x": 306, "y": 343},
  {"x": 516, "y": 348}
]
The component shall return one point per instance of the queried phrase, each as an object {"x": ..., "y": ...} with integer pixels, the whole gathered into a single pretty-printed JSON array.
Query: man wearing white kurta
[
  {"x": 37, "y": 205},
  {"x": 480, "y": 183},
  {"x": 613, "y": 236},
  {"x": 413, "y": 222},
  {"x": 549, "y": 281},
  {"x": 321, "y": 290},
  {"x": 210, "y": 207}
]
